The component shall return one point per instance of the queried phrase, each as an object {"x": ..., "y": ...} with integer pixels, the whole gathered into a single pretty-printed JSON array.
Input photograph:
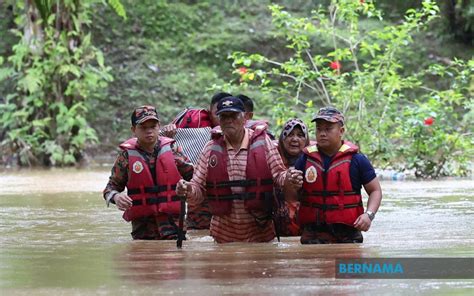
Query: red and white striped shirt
[{"x": 239, "y": 225}]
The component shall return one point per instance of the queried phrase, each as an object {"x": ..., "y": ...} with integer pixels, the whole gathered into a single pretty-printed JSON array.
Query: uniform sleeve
[
  {"x": 198, "y": 182},
  {"x": 361, "y": 170},
  {"x": 184, "y": 165},
  {"x": 118, "y": 178},
  {"x": 275, "y": 162}
]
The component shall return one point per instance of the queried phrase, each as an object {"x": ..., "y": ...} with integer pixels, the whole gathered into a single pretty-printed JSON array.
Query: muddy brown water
[{"x": 58, "y": 238}]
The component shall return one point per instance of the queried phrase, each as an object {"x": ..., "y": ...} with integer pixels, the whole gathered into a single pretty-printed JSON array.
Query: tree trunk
[{"x": 33, "y": 32}]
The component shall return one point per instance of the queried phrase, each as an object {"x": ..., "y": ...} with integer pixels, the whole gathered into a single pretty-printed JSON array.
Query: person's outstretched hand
[{"x": 169, "y": 130}]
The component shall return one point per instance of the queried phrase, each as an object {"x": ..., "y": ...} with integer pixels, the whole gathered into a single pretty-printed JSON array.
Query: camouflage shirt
[{"x": 119, "y": 176}]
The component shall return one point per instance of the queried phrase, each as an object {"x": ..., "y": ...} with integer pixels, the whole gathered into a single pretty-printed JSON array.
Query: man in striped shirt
[{"x": 236, "y": 173}]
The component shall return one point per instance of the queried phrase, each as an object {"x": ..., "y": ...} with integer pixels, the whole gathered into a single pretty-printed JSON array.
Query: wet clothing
[
  {"x": 199, "y": 215},
  {"x": 155, "y": 226},
  {"x": 327, "y": 194},
  {"x": 239, "y": 225},
  {"x": 152, "y": 192},
  {"x": 258, "y": 183},
  {"x": 330, "y": 234},
  {"x": 360, "y": 171},
  {"x": 285, "y": 216}
]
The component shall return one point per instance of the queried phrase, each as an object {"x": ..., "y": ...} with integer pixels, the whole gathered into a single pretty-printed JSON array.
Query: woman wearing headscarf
[{"x": 292, "y": 140}]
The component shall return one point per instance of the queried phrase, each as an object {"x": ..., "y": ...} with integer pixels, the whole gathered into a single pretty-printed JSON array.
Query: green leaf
[
  {"x": 31, "y": 82},
  {"x": 118, "y": 8},
  {"x": 6, "y": 73},
  {"x": 100, "y": 58}
]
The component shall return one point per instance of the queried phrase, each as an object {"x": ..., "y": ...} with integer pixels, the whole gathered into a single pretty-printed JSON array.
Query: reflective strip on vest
[
  {"x": 135, "y": 153},
  {"x": 217, "y": 148},
  {"x": 164, "y": 149},
  {"x": 315, "y": 164},
  {"x": 257, "y": 144},
  {"x": 338, "y": 164}
]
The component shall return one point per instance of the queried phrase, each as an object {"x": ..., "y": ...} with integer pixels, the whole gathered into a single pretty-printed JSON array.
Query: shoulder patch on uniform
[
  {"x": 137, "y": 167},
  {"x": 311, "y": 174},
  {"x": 212, "y": 161}
]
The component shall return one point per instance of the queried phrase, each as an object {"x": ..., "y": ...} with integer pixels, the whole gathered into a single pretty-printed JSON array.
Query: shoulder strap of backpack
[{"x": 177, "y": 120}]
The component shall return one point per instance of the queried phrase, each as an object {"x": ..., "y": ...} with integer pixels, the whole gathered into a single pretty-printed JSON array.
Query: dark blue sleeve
[
  {"x": 361, "y": 171},
  {"x": 300, "y": 163}
]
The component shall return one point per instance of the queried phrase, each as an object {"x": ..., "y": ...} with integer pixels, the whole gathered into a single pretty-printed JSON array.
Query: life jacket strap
[
  {"x": 330, "y": 193},
  {"x": 154, "y": 200},
  {"x": 326, "y": 207},
  {"x": 238, "y": 196},
  {"x": 239, "y": 183},
  {"x": 151, "y": 189}
]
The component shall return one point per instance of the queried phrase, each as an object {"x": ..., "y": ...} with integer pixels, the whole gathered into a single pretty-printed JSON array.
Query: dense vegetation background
[{"x": 402, "y": 71}]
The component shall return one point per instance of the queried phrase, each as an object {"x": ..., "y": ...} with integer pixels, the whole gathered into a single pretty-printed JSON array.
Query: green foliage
[
  {"x": 433, "y": 147},
  {"x": 174, "y": 54},
  {"x": 56, "y": 72},
  {"x": 118, "y": 7},
  {"x": 170, "y": 54},
  {"x": 338, "y": 59},
  {"x": 443, "y": 147}
]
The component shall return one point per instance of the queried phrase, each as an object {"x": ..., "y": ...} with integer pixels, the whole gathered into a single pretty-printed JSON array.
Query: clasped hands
[{"x": 294, "y": 178}]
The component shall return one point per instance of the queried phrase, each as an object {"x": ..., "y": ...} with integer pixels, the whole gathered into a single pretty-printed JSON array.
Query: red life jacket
[
  {"x": 193, "y": 118},
  {"x": 253, "y": 124},
  {"x": 258, "y": 185},
  {"x": 151, "y": 196},
  {"x": 328, "y": 196}
]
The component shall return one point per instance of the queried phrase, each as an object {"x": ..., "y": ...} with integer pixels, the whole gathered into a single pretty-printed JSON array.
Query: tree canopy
[{"x": 72, "y": 71}]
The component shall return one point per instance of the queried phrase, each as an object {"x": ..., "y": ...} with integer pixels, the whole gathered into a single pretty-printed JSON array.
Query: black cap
[
  {"x": 230, "y": 104},
  {"x": 219, "y": 96}
]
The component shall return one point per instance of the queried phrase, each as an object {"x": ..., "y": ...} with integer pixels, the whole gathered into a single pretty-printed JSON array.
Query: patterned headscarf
[{"x": 288, "y": 127}]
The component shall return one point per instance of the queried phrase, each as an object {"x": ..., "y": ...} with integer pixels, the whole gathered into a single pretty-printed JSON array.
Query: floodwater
[{"x": 58, "y": 238}]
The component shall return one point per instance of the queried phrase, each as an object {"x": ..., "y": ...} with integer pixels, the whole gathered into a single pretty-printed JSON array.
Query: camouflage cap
[
  {"x": 144, "y": 113},
  {"x": 330, "y": 114}
]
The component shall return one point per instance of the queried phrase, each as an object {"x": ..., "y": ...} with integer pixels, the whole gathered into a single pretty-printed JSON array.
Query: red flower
[
  {"x": 429, "y": 120},
  {"x": 361, "y": 1},
  {"x": 335, "y": 65},
  {"x": 242, "y": 70}
]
